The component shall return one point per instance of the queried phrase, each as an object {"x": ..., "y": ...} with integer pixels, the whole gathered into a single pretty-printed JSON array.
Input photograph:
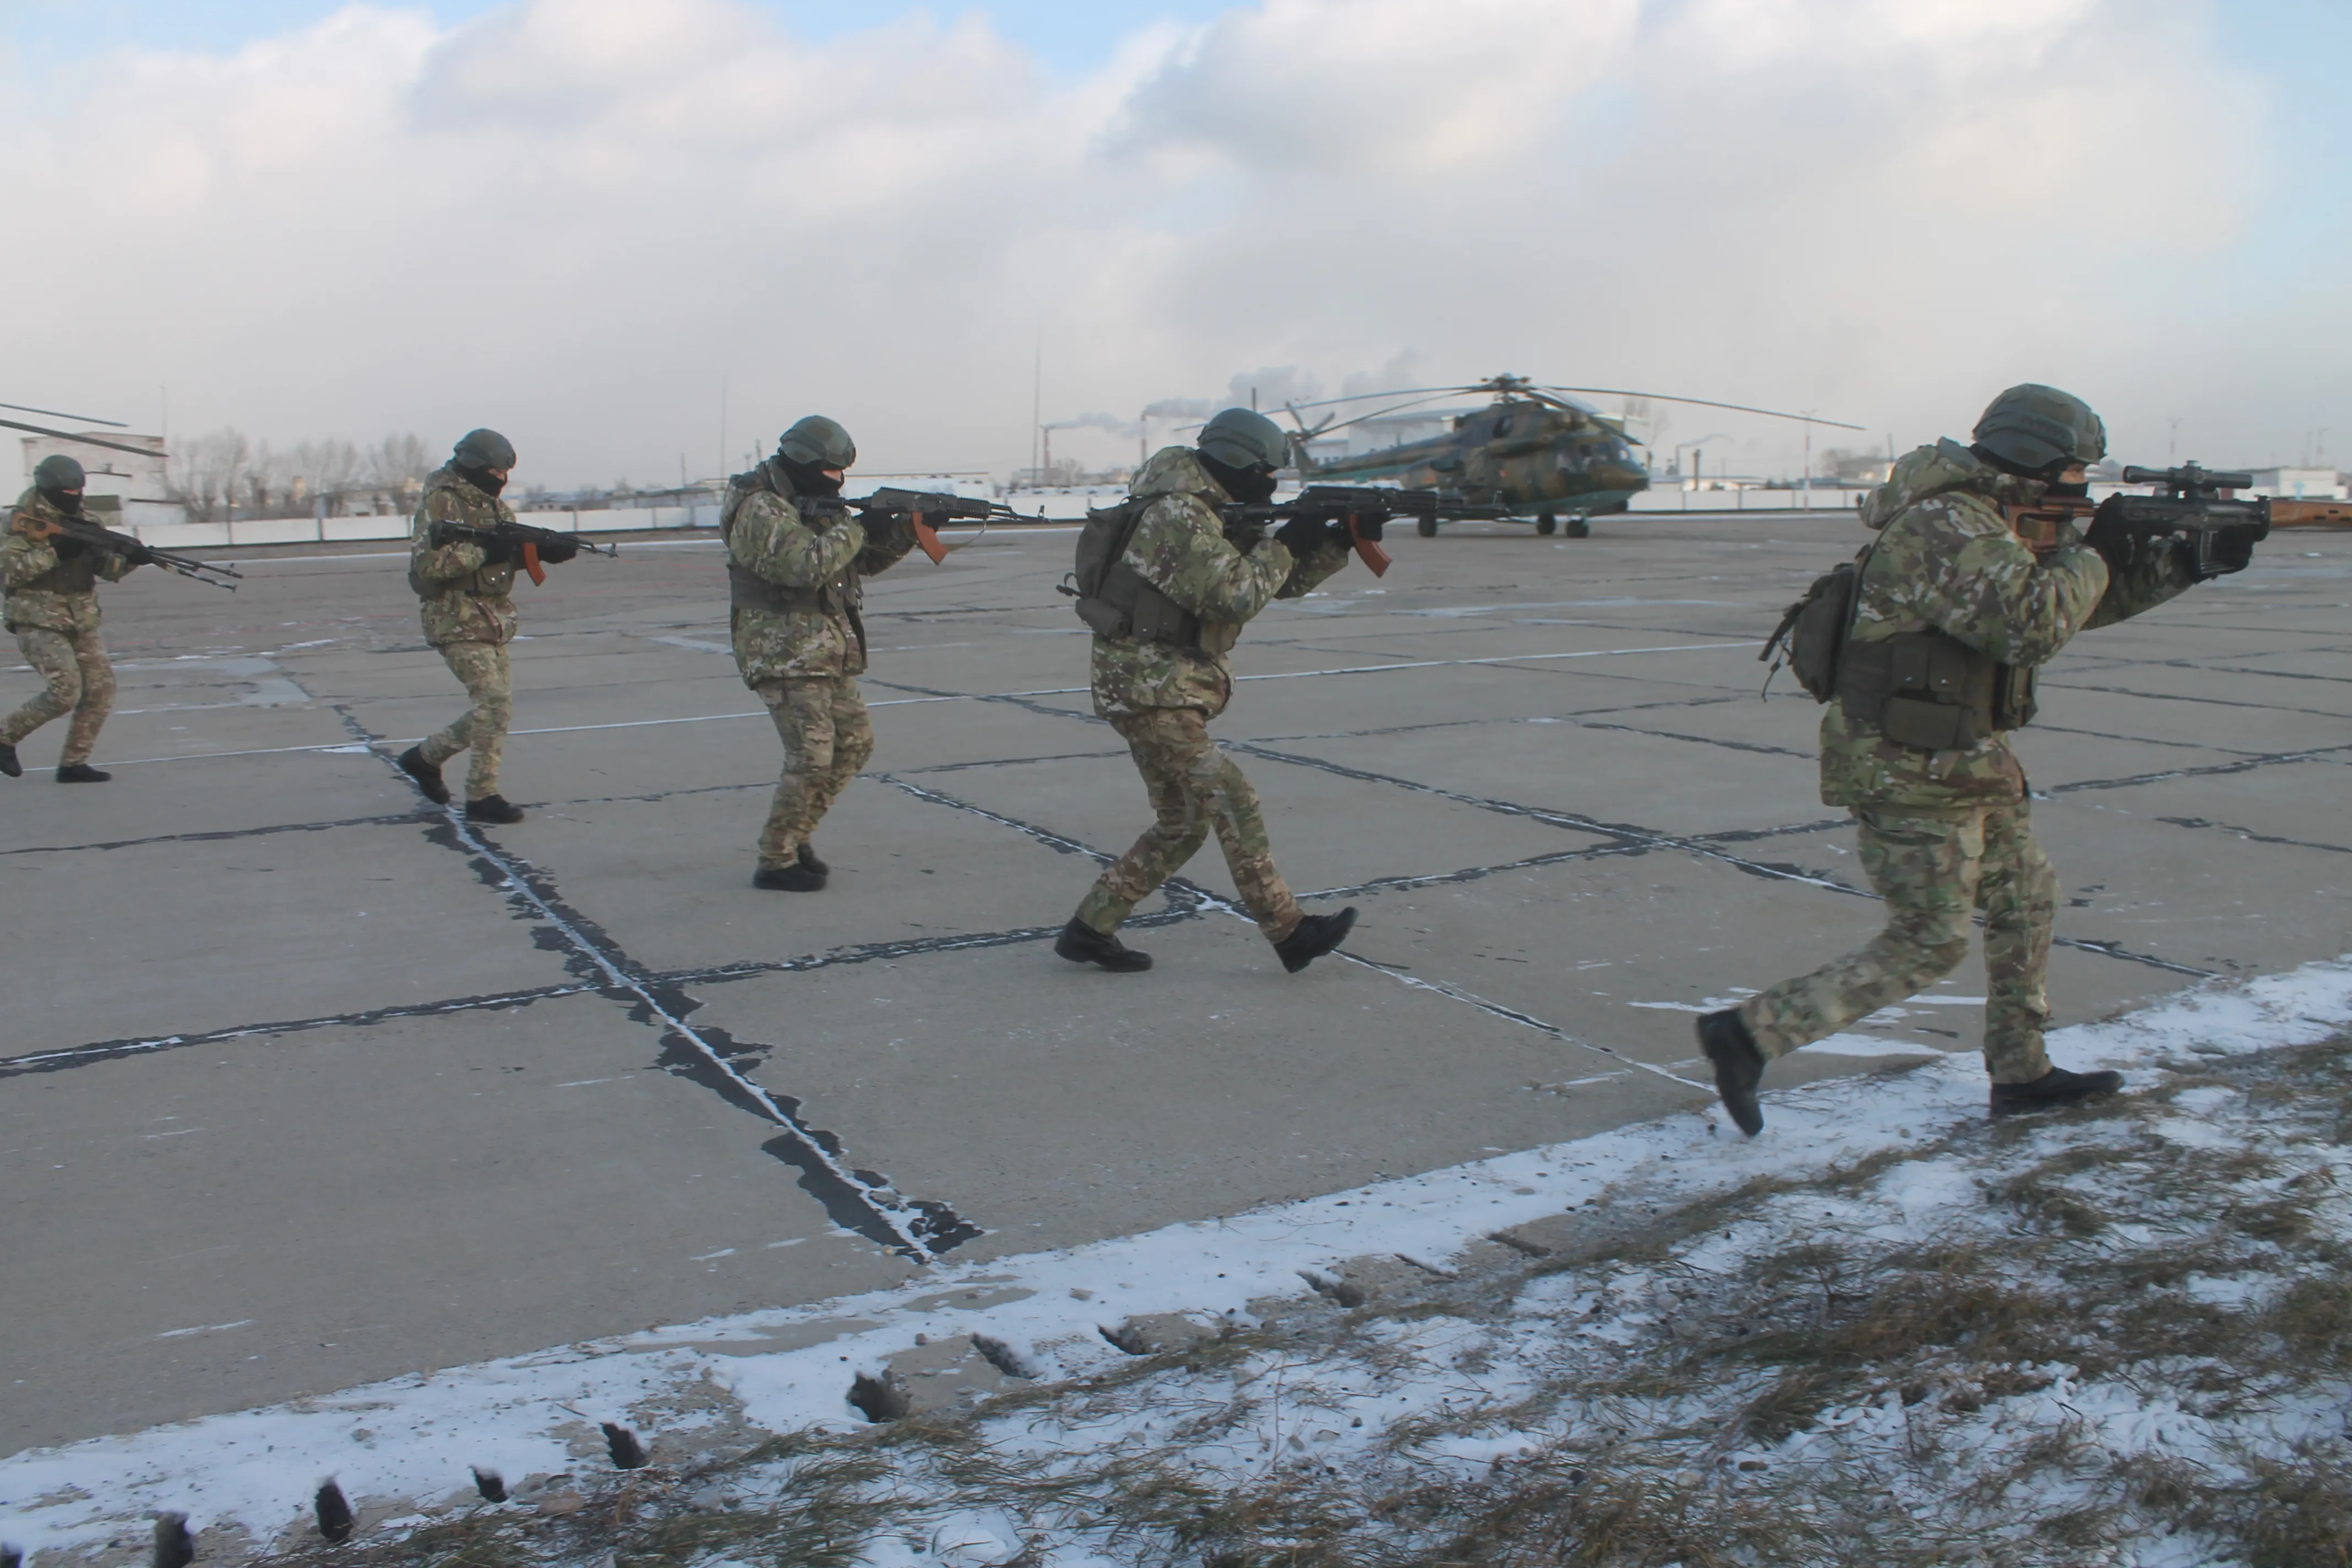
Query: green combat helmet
[
  {"x": 817, "y": 442},
  {"x": 2035, "y": 429},
  {"x": 484, "y": 450},
  {"x": 59, "y": 472},
  {"x": 1244, "y": 438}
]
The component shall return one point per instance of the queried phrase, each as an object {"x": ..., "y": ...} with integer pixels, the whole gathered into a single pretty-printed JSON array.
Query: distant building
[
  {"x": 133, "y": 486},
  {"x": 2300, "y": 484}
]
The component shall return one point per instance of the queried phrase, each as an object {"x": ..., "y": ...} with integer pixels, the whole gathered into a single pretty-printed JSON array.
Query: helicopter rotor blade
[
  {"x": 1703, "y": 403},
  {"x": 85, "y": 440},
  {"x": 61, "y": 413},
  {"x": 1377, "y": 412},
  {"x": 1400, "y": 392}
]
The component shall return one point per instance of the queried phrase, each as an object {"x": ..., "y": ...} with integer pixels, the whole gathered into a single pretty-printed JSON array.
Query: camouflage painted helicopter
[{"x": 1538, "y": 452}]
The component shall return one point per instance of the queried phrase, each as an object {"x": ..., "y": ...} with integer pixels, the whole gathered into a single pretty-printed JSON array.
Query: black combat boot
[
  {"x": 2055, "y": 1088},
  {"x": 8, "y": 762},
  {"x": 428, "y": 777},
  {"x": 1081, "y": 943},
  {"x": 1313, "y": 937},
  {"x": 493, "y": 808},
  {"x": 1738, "y": 1067},
  {"x": 795, "y": 878},
  {"x": 82, "y": 772},
  {"x": 807, "y": 853}
]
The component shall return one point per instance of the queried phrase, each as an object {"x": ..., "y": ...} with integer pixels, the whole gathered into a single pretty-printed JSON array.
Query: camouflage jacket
[
  {"x": 461, "y": 598},
  {"x": 825, "y": 558},
  {"x": 1947, "y": 559},
  {"x": 1178, "y": 546},
  {"x": 45, "y": 591}
]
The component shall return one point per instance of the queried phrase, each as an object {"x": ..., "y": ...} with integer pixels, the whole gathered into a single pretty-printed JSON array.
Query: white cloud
[{"x": 573, "y": 218}]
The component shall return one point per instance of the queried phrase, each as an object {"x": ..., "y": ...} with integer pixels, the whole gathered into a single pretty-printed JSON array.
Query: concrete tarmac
[{"x": 304, "y": 1084}]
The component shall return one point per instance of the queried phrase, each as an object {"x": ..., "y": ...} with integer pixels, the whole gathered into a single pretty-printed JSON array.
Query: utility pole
[
  {"x": 1037, "y": 411},
  {"x": 1805, "y": 486},
  {"x": 2171, "y": 440},
  {"x": 723, "y": 424}
]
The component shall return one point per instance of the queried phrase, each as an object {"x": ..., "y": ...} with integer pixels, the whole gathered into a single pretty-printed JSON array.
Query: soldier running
[
  {"x": 1948, "y": 592},
  {"x": 465, "y": 589},
  {"x": 52, "y": 606},
  {"x": 1172, "y": 604},
  {"x": 794, "y": 574}
]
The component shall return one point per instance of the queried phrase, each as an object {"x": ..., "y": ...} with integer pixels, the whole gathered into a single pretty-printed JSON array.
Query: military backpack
[{"x": 1113, "y": 598}]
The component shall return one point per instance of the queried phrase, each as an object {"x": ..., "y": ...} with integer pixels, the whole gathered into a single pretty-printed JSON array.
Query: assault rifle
[
  {"x": 2216, "y": 534},
  {"x": 918, "y": 506},
  {"x": 534, "y": 548},
  {"x": 1364, "y": 508},
  {"x": 84, "y": 531}
]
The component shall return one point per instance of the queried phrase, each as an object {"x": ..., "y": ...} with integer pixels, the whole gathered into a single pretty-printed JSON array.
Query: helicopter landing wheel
[
  {"x": 1427, "y": 527},
  {"x": 1578, "y": 527},
  {"x": 1547, "y": 523}
]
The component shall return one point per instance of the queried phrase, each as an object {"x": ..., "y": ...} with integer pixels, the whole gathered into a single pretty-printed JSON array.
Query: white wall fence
[{"x": 350, "y": 530}]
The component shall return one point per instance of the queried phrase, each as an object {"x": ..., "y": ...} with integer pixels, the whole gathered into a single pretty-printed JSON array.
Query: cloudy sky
[{"x": 579, "y": 220}]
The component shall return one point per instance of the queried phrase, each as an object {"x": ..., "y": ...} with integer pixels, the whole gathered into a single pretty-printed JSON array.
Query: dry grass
[{"x": 1722, "y": 1436}]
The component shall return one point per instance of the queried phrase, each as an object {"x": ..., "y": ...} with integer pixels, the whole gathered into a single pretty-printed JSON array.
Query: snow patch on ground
[{"x": 414, "y": 1437}]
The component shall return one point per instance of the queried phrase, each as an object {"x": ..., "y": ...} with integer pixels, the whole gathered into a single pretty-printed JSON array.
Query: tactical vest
[
  {"x": 476, "y": 582},
  {"x": 1924, "y": 690},
  {"x": 746, "y": 590},
  {"x": 75, "y": 573},
  {"x": 1114, "y": 599}
]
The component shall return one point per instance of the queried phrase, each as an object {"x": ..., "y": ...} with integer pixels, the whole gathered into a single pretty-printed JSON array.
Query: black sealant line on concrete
[
  {"x": 2251, "y": 835},
  {"x": 2239, "y": 702},
  {"x": 1176, "y": 888},
  {"x": 2272, "y": 759},
  {"x": 860, "y": 1201},
  {"x": 150, "y": 1045},
  {"x": 387, "y": 819}
]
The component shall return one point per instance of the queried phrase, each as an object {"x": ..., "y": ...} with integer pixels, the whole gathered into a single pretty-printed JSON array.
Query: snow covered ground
[{"x": 1887, "y": 1331}]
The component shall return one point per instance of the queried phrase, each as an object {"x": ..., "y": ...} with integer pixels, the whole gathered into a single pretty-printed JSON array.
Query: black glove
[
  {"x": 2114, "y": 541},
  {"x": 1302, "y": 536},
  {"x": 496, "y": 551},
  {"x": 888, "y": 531},
  {"x": 1368, "y": 526},
  {"x": 556, "y": 552},
  {"x": 136, "y": 555}
]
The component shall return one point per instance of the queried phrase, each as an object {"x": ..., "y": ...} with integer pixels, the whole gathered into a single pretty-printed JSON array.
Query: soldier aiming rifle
[
  {"x": 51, "y": 562},
  {"x": 796, "y": 564},
  {"x": 1166, "y": 581},
  {"x": 461, "y": 566},
  {"x": 889, "y": 510},
  {"x": 1925, "y": 649}
]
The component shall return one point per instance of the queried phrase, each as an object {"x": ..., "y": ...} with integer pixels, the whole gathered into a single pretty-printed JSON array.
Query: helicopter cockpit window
[{"x": 1502, "y": 426}]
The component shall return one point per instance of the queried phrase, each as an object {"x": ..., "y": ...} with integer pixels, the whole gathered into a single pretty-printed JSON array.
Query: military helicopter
[{"x": 1539, "y": 452}]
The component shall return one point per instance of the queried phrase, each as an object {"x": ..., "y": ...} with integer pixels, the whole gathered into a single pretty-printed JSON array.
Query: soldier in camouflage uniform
[
  {"x": 1941, "y": 803},
  {"x": 795, "y": 571},
  {"x": 464, "y": 591},
  {"x": 52, "y": 606},
  {"x": 1195, "y": 591}
]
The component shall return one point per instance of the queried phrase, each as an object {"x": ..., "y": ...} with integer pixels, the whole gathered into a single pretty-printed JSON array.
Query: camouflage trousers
[
  {"x": 1195, "y": 786},
  {"x": 482, "y": 666},
  {"x": 81, "y": 681},
  {"x": 1934, "y": 869},
  {"x": 827, "y": 738}
]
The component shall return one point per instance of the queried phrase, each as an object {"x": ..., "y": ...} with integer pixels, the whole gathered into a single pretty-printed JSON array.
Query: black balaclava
[
  {"x": 808, "y": 480},
  {"x": 59, "y": 479},
  {"x": 482, "y": 479},
  {"x": 1251, "y": 487}
]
